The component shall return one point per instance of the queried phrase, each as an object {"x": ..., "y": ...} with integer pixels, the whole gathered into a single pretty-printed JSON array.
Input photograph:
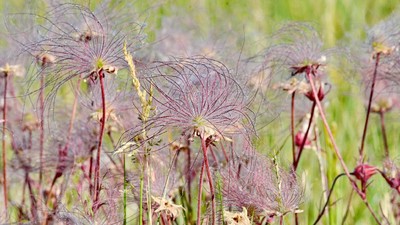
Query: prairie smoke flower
[
  {"x": 199, "y": 97},
  {"x": 384, "y": 37},
  {"x": 80, "y": 42},
  {"x": 296, "y": 49},
  {"x": 261, "y": 187},
  {"x": 364, "y": 171}
]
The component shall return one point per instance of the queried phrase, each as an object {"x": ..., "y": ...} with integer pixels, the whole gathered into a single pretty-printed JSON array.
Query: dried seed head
[
  {"x": 237, "y": 218},
  {"x": 167, "y": 207}
]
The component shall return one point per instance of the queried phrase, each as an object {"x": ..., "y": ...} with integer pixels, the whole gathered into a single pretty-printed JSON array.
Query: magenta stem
[
  {"x": 303, "y": 142},
  {"x": 101, "y": 134},
  {"x": 362, "y": 153}
]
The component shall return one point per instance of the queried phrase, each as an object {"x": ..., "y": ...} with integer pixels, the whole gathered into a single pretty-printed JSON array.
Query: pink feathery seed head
[
  {"x": 296, "y": 49},
  {"x": 198, "y": 96},
  {"x": 81, "y": 42},
  {"x": 384, "y": 37},
  {"x": 260, "y": 187}
]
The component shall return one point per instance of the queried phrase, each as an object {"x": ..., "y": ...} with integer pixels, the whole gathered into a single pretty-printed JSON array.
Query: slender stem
[
  {"x": 4, "y": 145},
  {"x": 329, "y": 196},
  {"x": 292, "y": 127},
  {"x": 303, "y": 142},
  {"x": 73, "y": 114},
  {"x": 148, "y": 188},
  {"x": 336, "y": 149},
  {"x": 141, "y": 198},
  {"x": 103, "y": 122},
  {"x": 362, "y": 154},
  {"x": 189, "y": 177},
  {"x": 125, "y": 190},
  {"x": 210, "y": 180},
  {"x": 384, "y": 136},
  {"x": 348, "y": 207},
  {"x": 199, "y": 195},
  {"x": 41, "y": 138},
  {"x": 324, "y": 179},
  {"x": 332, "y": 139}
]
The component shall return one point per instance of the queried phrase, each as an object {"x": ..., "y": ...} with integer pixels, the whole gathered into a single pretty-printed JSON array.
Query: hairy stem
[
  {"x": 4, "y": 145},
  {"x": 371, "y": 94},
  {"x": 103, "y": 122}
]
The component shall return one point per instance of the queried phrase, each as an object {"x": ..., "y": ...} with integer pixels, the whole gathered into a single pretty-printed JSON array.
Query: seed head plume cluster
[{"x": 117, "y": 112}]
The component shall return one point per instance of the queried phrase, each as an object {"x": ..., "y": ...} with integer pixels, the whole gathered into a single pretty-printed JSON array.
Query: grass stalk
[
  {"x": 384, "y": 135},
  {"x": 4, "y": 155}
]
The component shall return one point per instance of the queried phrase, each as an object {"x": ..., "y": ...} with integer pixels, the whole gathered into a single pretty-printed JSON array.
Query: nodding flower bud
[
  {"x": 299, "y": 138},
  {"x": 321, "y": 93},
  {"x": 45, "y": 59},
  {"x": 364, "y": 171}
]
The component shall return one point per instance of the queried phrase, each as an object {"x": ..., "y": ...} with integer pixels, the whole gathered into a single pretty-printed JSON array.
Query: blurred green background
[{"x": 338, "y": 21}]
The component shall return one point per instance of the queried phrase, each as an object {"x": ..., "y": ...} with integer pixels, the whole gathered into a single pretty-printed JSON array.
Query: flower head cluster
[
  {"x": 260, "y": 186},
  {"x": 297, "y": 49},
  {"x": 198, "y": 96},
  {"x": 75, "y": 41}
]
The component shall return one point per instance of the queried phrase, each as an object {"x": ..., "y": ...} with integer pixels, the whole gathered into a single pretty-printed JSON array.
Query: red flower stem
[
  {"x": 224, "y": 152},
  {"x": 332, "y": 139},
  {"x": 4, "y": 145},
  {"x": 189, "y": 177},
  {"x": 292, "y": 128},
  {"x": 336, "y": 149},
  {"x": 103, "y": 122},
  {"x": 210, "y": 181},
  {"x": 303, "y": 143},
  {"x": 199, "y": 195},
  {"x": 371, "y": 94},
  {"x": 384, "y": 136}
]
